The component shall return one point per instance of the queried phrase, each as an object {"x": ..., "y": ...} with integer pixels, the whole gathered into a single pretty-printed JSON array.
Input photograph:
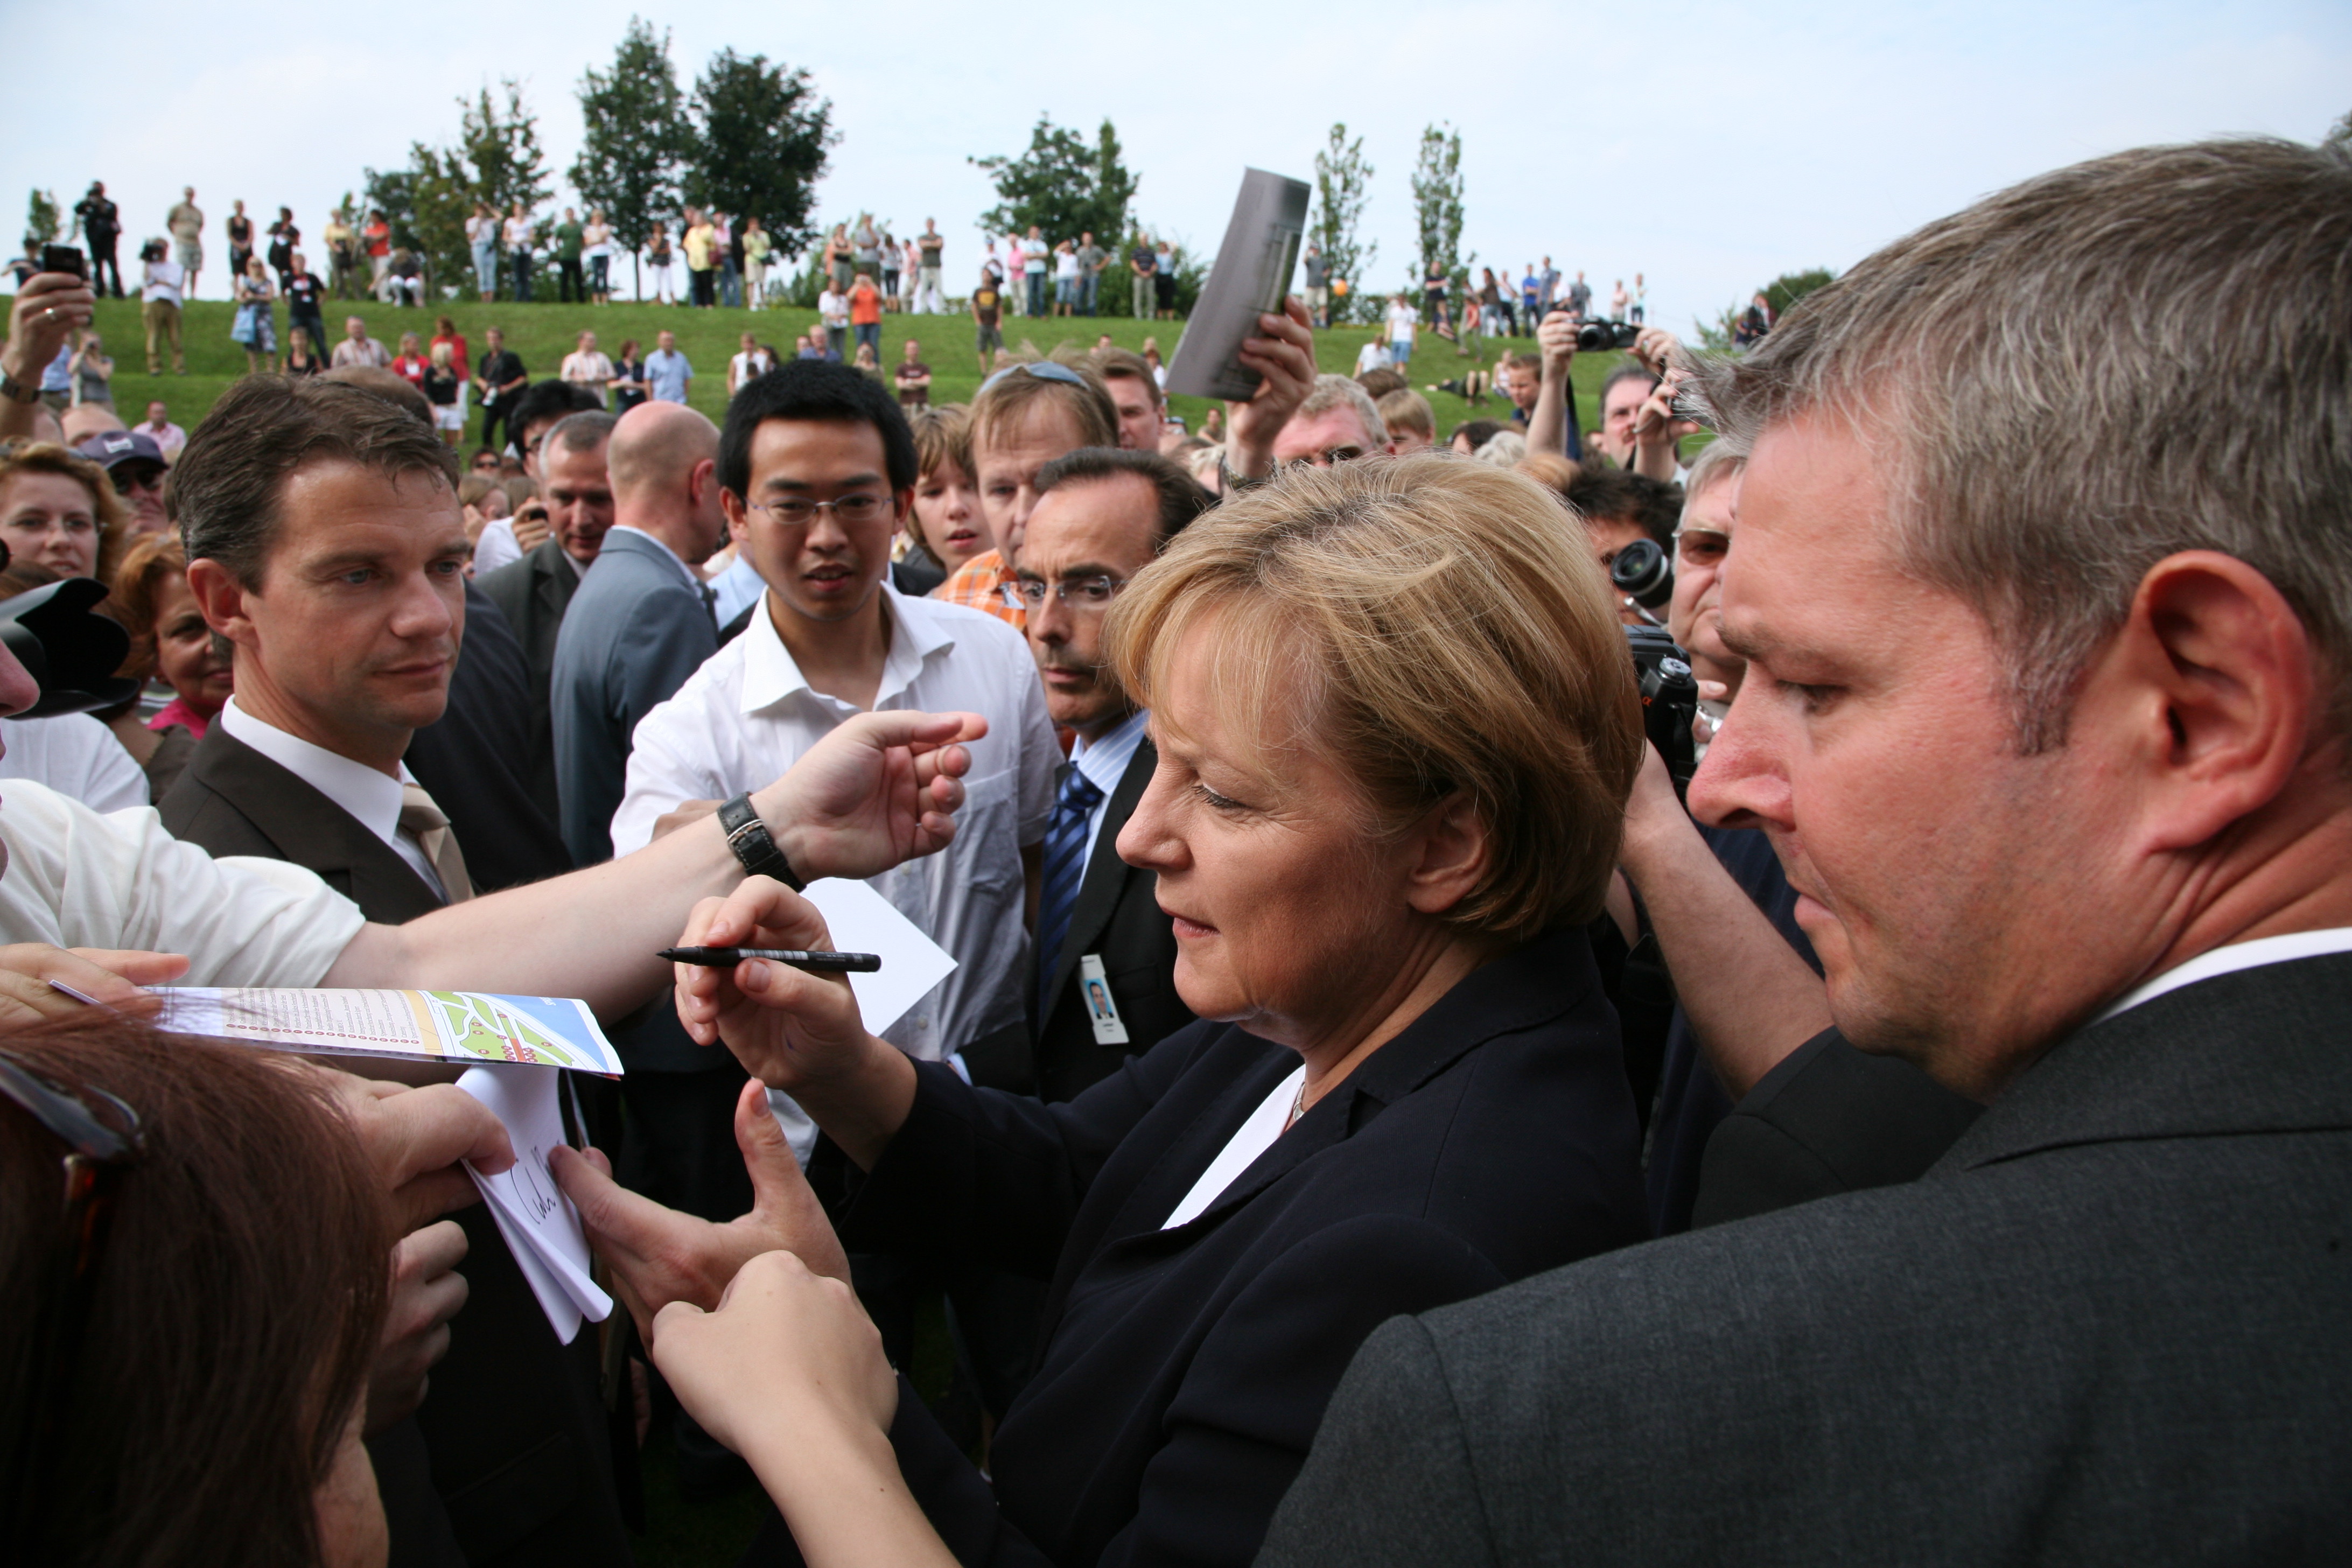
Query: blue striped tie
[{"x": 1065, "y": 868}]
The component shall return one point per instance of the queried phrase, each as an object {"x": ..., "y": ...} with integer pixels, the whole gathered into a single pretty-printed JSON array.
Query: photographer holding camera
[{"x": 50, "y": 308}]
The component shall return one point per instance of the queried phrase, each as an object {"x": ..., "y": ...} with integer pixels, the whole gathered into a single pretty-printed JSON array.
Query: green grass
[{"x": 542, "y": 334}]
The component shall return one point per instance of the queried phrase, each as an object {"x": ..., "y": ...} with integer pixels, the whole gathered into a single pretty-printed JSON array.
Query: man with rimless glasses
[{"x": 816, "y": 470}]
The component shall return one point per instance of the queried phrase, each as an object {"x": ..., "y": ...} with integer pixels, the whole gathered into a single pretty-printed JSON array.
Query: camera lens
[{"x": 1642, "y": 571}]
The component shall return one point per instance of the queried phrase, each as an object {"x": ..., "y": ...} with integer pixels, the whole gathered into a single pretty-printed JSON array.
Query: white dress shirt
[
  {"x": 2230, "y": 960},
  {"x": 687, "y": 574},
  {"x": 372, "y": 798},
  {"x": 743, "y": 718},
  {"x": 75, "y": 755},
  {"x": 77, "y": 879},
  {"x": 497, "y": 546},
  {"x": 736, "y": 588},
  {"x": 1104, "y": 762}
]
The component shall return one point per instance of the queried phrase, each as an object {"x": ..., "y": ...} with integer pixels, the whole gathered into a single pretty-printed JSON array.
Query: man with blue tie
[
  {"x": 641, "y": 622},
  {"x": 1103, "y": 987}
]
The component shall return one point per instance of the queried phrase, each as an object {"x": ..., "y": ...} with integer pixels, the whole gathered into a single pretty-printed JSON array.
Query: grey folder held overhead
[{"x": 1250, "y": 276}]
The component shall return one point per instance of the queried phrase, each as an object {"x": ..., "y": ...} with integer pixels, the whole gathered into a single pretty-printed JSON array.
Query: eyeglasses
[
  {"x": 1078, "y": 593},
  {"x": 131, "y": 477},
  {"x": 796, "y": 511},
  {"x": 1330, "y": 459},
  {"x": 102, "y": 1137},
  {"x": 1044, "y": 370},
  {"x": 1701, "y": 546}
]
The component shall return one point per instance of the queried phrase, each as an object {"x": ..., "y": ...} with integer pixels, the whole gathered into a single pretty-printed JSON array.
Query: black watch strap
[
  {"x": 17, "y": 392},
  {"x": 747, "y": 837}
]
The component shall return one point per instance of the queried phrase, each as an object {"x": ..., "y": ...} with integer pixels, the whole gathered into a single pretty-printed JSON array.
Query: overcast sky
[{"x": 1711, "y": 146}]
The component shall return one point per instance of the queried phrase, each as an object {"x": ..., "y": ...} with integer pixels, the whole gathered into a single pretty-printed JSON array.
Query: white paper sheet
[
  {"x": 541, "y": 1226},
  {"x": 863, "y": 921}
]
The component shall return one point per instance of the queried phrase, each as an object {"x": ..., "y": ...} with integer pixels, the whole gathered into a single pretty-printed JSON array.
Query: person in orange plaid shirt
[{"x": 1024, "y": 418}]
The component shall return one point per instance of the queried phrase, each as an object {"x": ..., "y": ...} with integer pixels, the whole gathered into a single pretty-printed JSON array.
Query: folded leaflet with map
[{"x": 456, "y": 1027}]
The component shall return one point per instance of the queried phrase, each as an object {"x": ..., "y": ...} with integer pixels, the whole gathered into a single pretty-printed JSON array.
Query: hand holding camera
[
  {"x": 531, "y": 525},
  {"x": 52, "y": 305}
]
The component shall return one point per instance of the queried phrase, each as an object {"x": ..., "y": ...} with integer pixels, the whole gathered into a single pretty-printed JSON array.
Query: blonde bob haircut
[{"x": 1431, "y": 627}]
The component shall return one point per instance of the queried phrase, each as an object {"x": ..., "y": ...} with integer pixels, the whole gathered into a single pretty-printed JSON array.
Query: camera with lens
[
  {"x": 1594, "y": 337},
  {"x": 152, "y": 251},
  {"x": 1643, "y": 574},
  {"x": 1669, "y": 700}
]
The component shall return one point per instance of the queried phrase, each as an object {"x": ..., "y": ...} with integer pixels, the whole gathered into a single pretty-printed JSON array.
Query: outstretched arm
[{"x": 875, "y": 793}]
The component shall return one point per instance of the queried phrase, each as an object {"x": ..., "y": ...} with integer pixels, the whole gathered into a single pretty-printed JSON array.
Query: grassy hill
[{"x": 542, "y": 334}]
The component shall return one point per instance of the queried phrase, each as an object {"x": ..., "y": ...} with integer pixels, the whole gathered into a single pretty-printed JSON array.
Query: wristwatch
[
  {"x": 15, "y": 390},
  {"x": 747, "y": 837}
]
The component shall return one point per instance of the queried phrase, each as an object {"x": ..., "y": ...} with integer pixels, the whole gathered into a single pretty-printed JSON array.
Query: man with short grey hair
[
  {"x": 358, "y": 348},
  {"x": 2091, "y": 639},
  {"x": 1337, "y": 423}
]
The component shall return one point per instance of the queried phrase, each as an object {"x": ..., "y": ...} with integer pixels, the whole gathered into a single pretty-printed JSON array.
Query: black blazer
[
  {"x": 1116, "y": 916},
  {"x": 519, "y": 1456},
  {"x": 2105, "y": 1328},
  {"x": 534, "y": 593},
  {"x": 1184, "y": 1371},
  {"x": 472, "y": 761}
]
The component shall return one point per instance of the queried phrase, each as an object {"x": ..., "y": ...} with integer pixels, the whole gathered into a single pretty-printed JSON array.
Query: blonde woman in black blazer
[{"x": 1378, "y": 836}]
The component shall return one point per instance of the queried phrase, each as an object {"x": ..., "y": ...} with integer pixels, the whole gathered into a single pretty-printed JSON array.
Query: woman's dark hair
[
  {"x": 234, "y": 1312},
  {"x": 812, "y": 390},
  {"x": 1480, "y": 432}
]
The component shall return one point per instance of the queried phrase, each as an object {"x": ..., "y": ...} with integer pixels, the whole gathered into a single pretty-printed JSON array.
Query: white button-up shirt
[
  {"x": 372, "y": 798},
  {"x": 743, "y": 718},
  {"x": 1104, "y": 762}
]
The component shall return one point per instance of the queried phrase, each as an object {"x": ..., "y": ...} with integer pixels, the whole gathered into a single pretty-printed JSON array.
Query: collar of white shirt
[
  {"x": 2230, "y": 960},
  {"x": 1104, "y": 762},
  {"x": 372, "y": 798},
  {"x": 683, "y": 570},
  {"x": 772, "y": 676}
]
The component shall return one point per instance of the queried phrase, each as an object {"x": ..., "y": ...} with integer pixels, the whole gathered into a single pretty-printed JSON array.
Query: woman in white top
[
  {"x": 748, "y": 366},
  {"x": 596, "y": 245},
  {"x": 588, "y": 366},
  {"x": 1618, "y": 301},
  {"x": 482, "y": 235},
  {"x": 1065, "y": 278}
]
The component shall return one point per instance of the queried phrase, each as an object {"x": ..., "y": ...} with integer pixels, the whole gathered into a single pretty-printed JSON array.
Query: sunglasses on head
[{"x": 1044, "y": 370}]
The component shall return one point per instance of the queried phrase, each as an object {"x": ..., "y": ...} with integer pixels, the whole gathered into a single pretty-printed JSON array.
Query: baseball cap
[{"x": 109, "y": 447}]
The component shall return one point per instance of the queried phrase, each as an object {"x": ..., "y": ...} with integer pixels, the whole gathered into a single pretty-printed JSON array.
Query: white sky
[{"x": 1709, "y": 145}]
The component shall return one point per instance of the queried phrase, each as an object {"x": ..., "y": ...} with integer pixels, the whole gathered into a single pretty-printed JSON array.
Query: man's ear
[
  {"x": 2220, "y": 689},
  {"x": 221, "y": 599},
  {"x": 698, "y": 483}
]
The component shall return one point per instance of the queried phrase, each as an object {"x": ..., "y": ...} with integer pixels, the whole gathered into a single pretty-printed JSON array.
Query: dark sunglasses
[
  {"x": 102, "y": 1137},
  {"x": 135, "y": 476}
]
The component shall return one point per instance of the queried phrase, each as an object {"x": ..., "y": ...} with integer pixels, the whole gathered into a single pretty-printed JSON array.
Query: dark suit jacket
[
  {"x": 534, "y": 593},
  {"x": 473, "y": 762},
  {"x": 633, "y": 632},
  {"x": 1118, "y": 917},
  {"x": 519, "y": 1456},
  {"x": 1185, "y": 1371},
  {"x": 2107, "y": 1327}
]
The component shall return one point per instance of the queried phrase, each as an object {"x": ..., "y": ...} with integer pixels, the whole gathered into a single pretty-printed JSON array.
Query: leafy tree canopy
[
  {"x": 761, "y": 134},
  {"x": 1343, "y": 178},
  {"x": 1063, "y": 185},
  {"x": 638, "y": 138}
]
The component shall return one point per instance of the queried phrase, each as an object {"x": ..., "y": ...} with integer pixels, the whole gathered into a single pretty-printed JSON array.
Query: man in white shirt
[
  {"x": 358, "y": 348},
  {"x": 833, "y": 309},
  {"x": 751, "y": 361},
  {"x": 77, "y": 756},
  {"x": 162, "y": 283},
  {"x": 817, "y": 470}
]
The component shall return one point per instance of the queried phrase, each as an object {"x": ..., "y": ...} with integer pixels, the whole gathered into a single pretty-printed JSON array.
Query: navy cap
[{"x": 109, "y": 447}]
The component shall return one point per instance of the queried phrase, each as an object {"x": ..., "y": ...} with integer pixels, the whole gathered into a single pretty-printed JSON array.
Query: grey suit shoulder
[{"x": 2106, "y": 1327}]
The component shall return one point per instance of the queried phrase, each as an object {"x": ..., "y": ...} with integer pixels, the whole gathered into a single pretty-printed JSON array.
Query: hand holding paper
[
  {"x": 808, "y": 1034},
  {"x": 659, "y": 1256},
  {"x": 541, "y": 1226}
]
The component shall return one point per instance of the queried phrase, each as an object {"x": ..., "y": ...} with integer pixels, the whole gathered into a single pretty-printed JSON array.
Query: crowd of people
[{"x": 1385, "y": 1108}]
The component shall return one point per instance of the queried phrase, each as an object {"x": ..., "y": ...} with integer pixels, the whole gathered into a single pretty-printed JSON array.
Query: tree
[
  {"x": 761, "y": 132},
  {"x": 638, "y": 137},
  {"x": 1062, "y": 186},
  {"x": 2340, "y": 134},
  {"x": 43, "y": 216},
  {"x": 1437, "y": 203},
  {"x": 496, "y": 159},
  {"x": 1780, "y": 294},
  {"x": 1343, "y": 178}
]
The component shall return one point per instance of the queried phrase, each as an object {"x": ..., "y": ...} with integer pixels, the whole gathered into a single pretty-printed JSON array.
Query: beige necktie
[{"x": 420, "y": 817}]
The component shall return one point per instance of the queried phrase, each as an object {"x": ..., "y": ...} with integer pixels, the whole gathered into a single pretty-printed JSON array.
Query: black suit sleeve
[
  {"x": 1828, "y": 1119},
  {"x": 980, "y": 1177},
  {"x": 1393, "y": 1433}
]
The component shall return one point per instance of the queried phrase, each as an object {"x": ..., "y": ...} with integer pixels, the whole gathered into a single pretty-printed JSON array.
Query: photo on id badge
[{"x": 1102, "y": 1012}]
